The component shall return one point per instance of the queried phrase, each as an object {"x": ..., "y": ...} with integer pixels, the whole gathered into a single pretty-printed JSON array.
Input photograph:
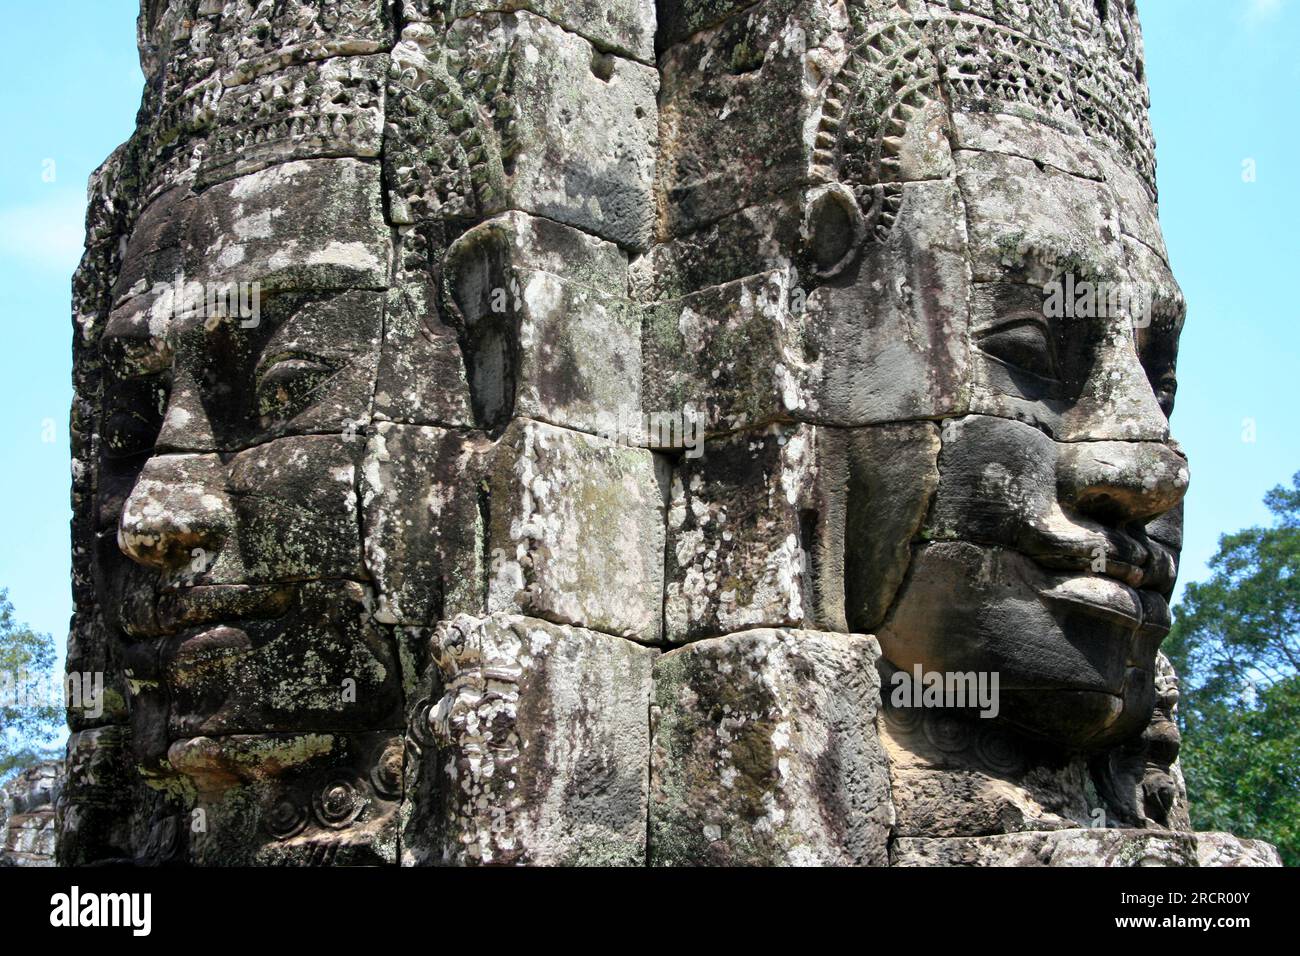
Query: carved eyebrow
[
  {"x": 301, "y": 334},
  {"x": 137, "y": 338},
  {"x": 132, "y": 351},
  {"x": 287, "y": 342},
  {"x": 1053, "y": 264},
  {"x": 999, "y": 320},
  {"x": 271, "y": 359}
]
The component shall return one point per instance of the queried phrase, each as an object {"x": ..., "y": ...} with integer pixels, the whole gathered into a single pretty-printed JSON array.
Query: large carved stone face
[
  {"x": 244, "y": 528},
  {"x": 983, "y": 479},
  {"x": 1045, "y": 556},
  {"x": 234, "y": 435},
  {"x": 1048, "y": 551}
]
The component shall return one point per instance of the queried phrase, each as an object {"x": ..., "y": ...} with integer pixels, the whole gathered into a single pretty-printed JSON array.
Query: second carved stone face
[
  {"x": 1049, "y": 549},
  {"x": 240, "y": 584}
]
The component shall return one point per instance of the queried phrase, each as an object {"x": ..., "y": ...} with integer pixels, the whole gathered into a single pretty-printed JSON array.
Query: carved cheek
[
  {"x": 295, "y": 508},
  {"x": 997, "y": 483}
]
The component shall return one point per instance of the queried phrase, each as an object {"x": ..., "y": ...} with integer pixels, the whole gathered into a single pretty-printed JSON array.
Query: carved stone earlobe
[{"x": 834, "y": 228}]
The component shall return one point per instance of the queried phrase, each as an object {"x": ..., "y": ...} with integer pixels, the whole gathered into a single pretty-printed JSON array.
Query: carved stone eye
[
  {"x": 1022, "y": 343},
  {"x": 285, "y": 382},
  {"x": 127, "y": 432},
  {"x": 133, "y": 415},
  {"x": 1166, "y": 389}
]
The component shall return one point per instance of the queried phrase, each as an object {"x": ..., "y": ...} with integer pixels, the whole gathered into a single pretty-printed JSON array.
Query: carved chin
[{"x": 1074, "y": 658}]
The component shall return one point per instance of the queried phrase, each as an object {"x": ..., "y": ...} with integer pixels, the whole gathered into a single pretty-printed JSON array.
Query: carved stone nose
[
  {"x": 177, "y": 514},
  {"x": 1116, "y": 481}
]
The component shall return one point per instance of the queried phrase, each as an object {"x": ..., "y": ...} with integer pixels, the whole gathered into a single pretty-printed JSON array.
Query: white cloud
[{"x": 46, "y": 235}]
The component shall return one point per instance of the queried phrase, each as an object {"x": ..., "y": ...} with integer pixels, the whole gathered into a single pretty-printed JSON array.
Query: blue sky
[{"x": 1224, "y": 80}]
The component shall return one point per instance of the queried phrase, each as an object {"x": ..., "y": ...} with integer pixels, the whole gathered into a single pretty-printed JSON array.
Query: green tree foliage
[
  {"x": 1236, "y": 645},
  {"x": 30, "y": 714}
]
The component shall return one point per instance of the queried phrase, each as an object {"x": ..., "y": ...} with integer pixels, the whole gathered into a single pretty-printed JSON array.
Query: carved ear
[
  {"x": 475, "y": 268},
  {"x": 834, "y": 229},
  {"x": 480, "y": 296}
]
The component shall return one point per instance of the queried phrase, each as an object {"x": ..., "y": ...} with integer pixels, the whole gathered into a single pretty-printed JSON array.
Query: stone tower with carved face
[{"x": 552, "y": 431}]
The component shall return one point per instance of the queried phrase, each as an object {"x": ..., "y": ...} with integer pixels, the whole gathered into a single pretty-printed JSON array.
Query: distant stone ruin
[{"x": 27, "y": 816}]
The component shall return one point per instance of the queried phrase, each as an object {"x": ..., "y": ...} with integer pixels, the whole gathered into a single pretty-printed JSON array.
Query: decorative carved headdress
[{"x": 1078, "y": 70}]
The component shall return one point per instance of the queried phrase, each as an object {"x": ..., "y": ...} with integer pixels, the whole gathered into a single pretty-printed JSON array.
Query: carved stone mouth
[
  {"x": 1101, "y": 596},
  {"x": 1125, "y": 572},
  {"x": 1110, "y": 599},
  {"x": 1145, "y": 564},
  {"x": 201, "y": 605},
  {"x": 1132, "y": 592}
]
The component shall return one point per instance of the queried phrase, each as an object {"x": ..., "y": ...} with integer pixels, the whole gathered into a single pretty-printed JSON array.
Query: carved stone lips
[
  {"x": 1111, "y": 599},
  {"x": 1128, "y": 587},
  {"x": 1129, "y": 556},
  {"x": 1105, "y": 597},
  {"x": 217, "y": 603}
]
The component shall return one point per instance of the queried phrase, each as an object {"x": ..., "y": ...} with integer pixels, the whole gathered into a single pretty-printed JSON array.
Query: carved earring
[{"x": 834, "y": 229}]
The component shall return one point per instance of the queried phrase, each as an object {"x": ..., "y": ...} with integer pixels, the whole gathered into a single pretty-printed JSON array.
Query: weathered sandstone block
[
  {"x": 744, "y": 534},
  {"x": 576, "y": 534},
  {"x": 532, "y": 747},
  {"x": 765, "y": 752}
]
